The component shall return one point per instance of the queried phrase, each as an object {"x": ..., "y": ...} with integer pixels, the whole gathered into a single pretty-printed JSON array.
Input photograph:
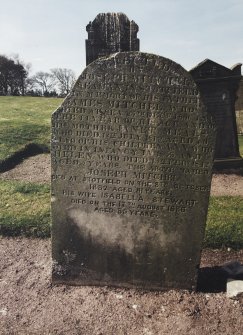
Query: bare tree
[
  {"x": 43, "y": 81},
  {"x": 64, "y": 79}
]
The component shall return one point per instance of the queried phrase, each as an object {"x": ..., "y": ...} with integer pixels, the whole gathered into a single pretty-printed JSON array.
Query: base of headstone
[
  {"x": 77, "y": 280},
  {"x": 231, "y": 163}
]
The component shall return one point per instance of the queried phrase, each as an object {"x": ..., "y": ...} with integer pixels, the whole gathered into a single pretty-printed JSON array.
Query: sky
[{"x": 52, "y": 33}]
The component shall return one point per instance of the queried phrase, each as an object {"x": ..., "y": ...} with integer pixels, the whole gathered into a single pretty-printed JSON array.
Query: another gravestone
[
  {"x": 110, "y": 33},
  {"x": 218, "y": 86},
  {"x": 132, "y": 152}
]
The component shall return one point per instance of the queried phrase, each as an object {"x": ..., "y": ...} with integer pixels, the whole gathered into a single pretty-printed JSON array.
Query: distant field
[
  {"x": 239, "y": 121},
  {"x": 240, "y": 137},
  {"x": 25, "y": 120}
]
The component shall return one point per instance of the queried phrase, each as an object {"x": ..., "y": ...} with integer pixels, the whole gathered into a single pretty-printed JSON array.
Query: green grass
[
  {"x": 25, "y": 120},
  {"x": 24, "y": 209},
  {"x": 240, "y": 139},
  {"x": 225, "y": 222}
]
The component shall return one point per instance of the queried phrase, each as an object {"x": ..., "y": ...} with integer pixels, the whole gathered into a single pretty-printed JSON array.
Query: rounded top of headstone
[
  {"x": 145, "y": 63},
  {"x": 111, "y": 16},
  {"x": 112, "y": 22},
  {"x": 165, "y": 82},
  {"x": 110, "y": 33}
]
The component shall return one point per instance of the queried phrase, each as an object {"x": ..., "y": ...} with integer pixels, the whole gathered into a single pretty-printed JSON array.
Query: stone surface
[
  {"x": 132, "y": 153},
  {"x": 110, "y": 33},
  {"x": 234, "y": 288},
  {"x": 218, "y": 86}
]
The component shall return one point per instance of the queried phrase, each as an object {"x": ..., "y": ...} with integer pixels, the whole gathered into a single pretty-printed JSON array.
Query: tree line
[{"x": 16, "y": 80}]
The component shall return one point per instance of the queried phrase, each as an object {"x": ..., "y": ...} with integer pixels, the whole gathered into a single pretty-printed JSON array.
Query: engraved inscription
[{"x": 127, "y": 138}]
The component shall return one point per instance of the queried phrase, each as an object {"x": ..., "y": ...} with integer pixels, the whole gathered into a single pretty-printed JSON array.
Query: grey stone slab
[
  {"x": 132, "y": 152},
  {"x": 234, "y": 288}
]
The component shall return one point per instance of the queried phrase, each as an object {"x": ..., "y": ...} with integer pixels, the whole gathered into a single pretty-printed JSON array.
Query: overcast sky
[{"x": 52, "y": 33}]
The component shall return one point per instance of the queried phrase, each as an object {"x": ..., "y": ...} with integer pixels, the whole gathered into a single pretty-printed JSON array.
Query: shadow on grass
[
  {"x": 29, "y": 150},
  {"x": 43, "y": 231}
]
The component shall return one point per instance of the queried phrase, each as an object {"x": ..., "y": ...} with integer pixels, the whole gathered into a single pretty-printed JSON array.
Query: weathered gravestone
[
  {"x": 132, "y": 152},
  {"x": 218, "y": 86},
  {"x": 110, "y": 33}
]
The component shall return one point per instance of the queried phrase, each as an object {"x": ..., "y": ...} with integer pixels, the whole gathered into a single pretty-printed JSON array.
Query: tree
[
  {"x": 13, "y": 75},
  {"x": 43, "y": 81},
  {"x": 64, "y": 79}
]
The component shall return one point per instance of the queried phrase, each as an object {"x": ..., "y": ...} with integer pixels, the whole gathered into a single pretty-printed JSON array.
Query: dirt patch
[
  {"x": 38, "y": 169},
  {"x": 227, "y": 184},
  {"x": 29, "y": 304},
  {"x": 29, "y": 150}
]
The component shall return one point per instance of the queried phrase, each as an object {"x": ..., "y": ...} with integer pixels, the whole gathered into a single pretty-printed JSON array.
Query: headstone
[
  {"x": 110, "y": 33},
  {"x": 132, "y": 154},
  {"x": 218, "y": 86}
]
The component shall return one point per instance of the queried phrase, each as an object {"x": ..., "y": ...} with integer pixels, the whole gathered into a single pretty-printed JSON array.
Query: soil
[
  {"x": 30, "y": 304},
  {"x": 36, "y": 169}
]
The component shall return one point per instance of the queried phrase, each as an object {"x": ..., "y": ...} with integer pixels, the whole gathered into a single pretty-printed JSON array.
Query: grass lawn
[
  {"x": 24, "y": 209},
  {"x": 225, "y": 222},
  {"x": 25, "y": 120}
]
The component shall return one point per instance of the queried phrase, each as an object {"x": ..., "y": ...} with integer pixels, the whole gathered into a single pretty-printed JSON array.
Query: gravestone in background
[
  {"x": 218, "y": 86},
  {"x": 110, "y": 33},
  {"x": 132, "y": 153}
]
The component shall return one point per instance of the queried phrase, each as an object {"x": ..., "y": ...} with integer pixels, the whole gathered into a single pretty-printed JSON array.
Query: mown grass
[
  {"x": 225, "y": 222},
  {"x": 24, "y": 209},
  {"x": 240, "y": 139},
  {"x": 25, "y": 120}
]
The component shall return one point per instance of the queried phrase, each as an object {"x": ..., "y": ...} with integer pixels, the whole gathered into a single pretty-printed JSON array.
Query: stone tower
[{"x": 110, "y": 33}]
